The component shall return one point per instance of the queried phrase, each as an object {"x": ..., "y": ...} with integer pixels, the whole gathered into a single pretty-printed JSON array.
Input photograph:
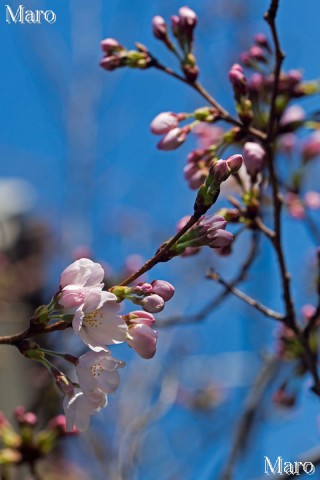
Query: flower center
[{"x": 93, "y": 319}]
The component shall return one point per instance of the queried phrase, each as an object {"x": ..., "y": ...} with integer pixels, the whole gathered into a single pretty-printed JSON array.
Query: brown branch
[
  {"x": 164, "y": 248},
  {"x": 246, "y": 298},
  {"x": 225, "y": 115},
  {"x": 33, "y": 330}
]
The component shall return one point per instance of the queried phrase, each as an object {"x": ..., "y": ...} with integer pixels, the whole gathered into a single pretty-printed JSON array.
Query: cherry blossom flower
[
  {"x": 98, "y": 370},
  {"x": 100, "y": 325},
  {"x": 83, "y": 273},
  {"x": 143, "y": 339},
  {"x": 80, "y": 407}
]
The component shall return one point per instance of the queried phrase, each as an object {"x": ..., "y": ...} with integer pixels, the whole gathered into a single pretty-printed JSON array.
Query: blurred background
[{"x": 80, "y": 176}]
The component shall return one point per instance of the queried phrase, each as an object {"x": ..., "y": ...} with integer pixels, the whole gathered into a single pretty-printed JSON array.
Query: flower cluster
[
  {"x": 95, "y": 316},
  {"x": 27, "y": 443},
  {"x": 117, "y": 56}
]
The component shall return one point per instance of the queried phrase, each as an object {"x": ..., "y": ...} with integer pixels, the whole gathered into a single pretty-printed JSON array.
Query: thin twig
[
  {"x": 33, "y": 330},
  {"x": 161, "y": 251},
  {"x": 225, "y": 115},
  {"x": 246, "y": 298},
  {"x": 246, "y": 422},
  {"x": 198, "y": 317}
]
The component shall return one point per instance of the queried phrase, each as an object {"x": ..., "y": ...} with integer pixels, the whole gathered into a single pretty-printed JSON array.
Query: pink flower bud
[
  {"x": 237, "y": 78},
  {"x": 256, "y": 81},
  {"x": 110, "y": 45},
  {"x": 195, "y": 176},
  {"x": 59, "y": 424},
  {"x": 143, "y": 340},
  {"x": 152, "y": 303},
  {"x": 175, "y": 25},
  {"x": 164, "y": 122},
  {"x": 110, "y": 63},
  {"x": 188, "y": 17},
  {"x": 312, "y": 200},
  {"x": 159, "y": 28},
  {"x": 293, "y": 114},
  {"x": 163, "y": 288},
  {"x": 139, "y": 316},
  {"x": 253, "y": 157},
  {"x": 262, "y": 41},
  {"x": 295, "y": 207},
  {"x": 234, "y": 162},
  {"x": 307, "y": 312},
  {"x": 220, "y": 238},
  {"x": 311, "y": 148},
  {"x": 142, "y": 288},
  {"x": 287, "y": 142},
  {"x": 173, "y": 139},
  {"x": 256, "y": 53},
  {"x": 220, "y": 171},
  {"x": 72, "y": 297}
]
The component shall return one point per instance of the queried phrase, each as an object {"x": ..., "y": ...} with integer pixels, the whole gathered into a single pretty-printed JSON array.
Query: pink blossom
[
  {"x": 163, "y": 288},
  {"x": 307, "y": 311},
  {"x": 293, "y": 114},
  {"x": 287, "y": 142},
  {"x": 80, "y": 407},
  {"x": 312, "y": 200},
  {"x": 237, "y": 78},
  {"x": 253, "y": 157},
  {"x": 188, "y": 17},
  {"x": 311, "y": 148},
  {"x": 173, "y": 139},
  {"x": 98, "y": 370},
  {"x": 100, "y": 325},
  {"x": 257, "y": 53},
  {"x": 140, "y": 316},
  {"x": 159, "y": 27},
  {"x": 295, "y": 207},
  {"x": 143, "y": 339},
  {"x": 110, "y": 45},
  {"x": 164, "y": 122},
  {"x": 83, "y": 273},
  {"x": 152, "y": 303},
  {"x": 208, "y": 134}
]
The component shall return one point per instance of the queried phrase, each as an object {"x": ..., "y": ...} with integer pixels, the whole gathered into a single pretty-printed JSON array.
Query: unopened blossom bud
[
  {"x": 25, "y": 418},
  {"x": 256, "y": 82},
  {"x": 234, "y": 163},
  {"x": 142, "y": 288},
  {"x": 295, "y": 207},
  {"x": 159, "y": 28},
  {"x": 152, "y": 303},
  {"x": 287, "y": 142},
  {"x": 59, "y": 425},
  {"x": 238, "y": 79},
  {"x": 261, "y": 40},
  {"x": 311, "y": 147},
  {"x": 256, "y": 53},
  {"x": 312, "y": 200},
  {"x": 164, "y": 122},
  {"x": 110, "y": 45},
  {"x": 173, "y": 139},
  {"x": 194, "y": 176},
  {"x": 191, "y": 71},
  {"x": 175, "y": 25},
  {"x": 188, "y": 17},
  {"x": 307, "y": 312},
  {"x": 292, "y": 118},
  {"x": 245, "y": 59},
  {"x": 220, "y": 171},
  {"x": 139, "y": 316},
  {"x": 143, "y": 340},
  {"x": 163, "y": 288},
  {"x": 253, "y": 157},
  {"x": 111, "y": 63}
]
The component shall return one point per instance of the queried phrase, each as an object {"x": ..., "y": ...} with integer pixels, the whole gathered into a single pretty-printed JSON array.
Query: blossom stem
[{"x": 164, "y": 248}]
